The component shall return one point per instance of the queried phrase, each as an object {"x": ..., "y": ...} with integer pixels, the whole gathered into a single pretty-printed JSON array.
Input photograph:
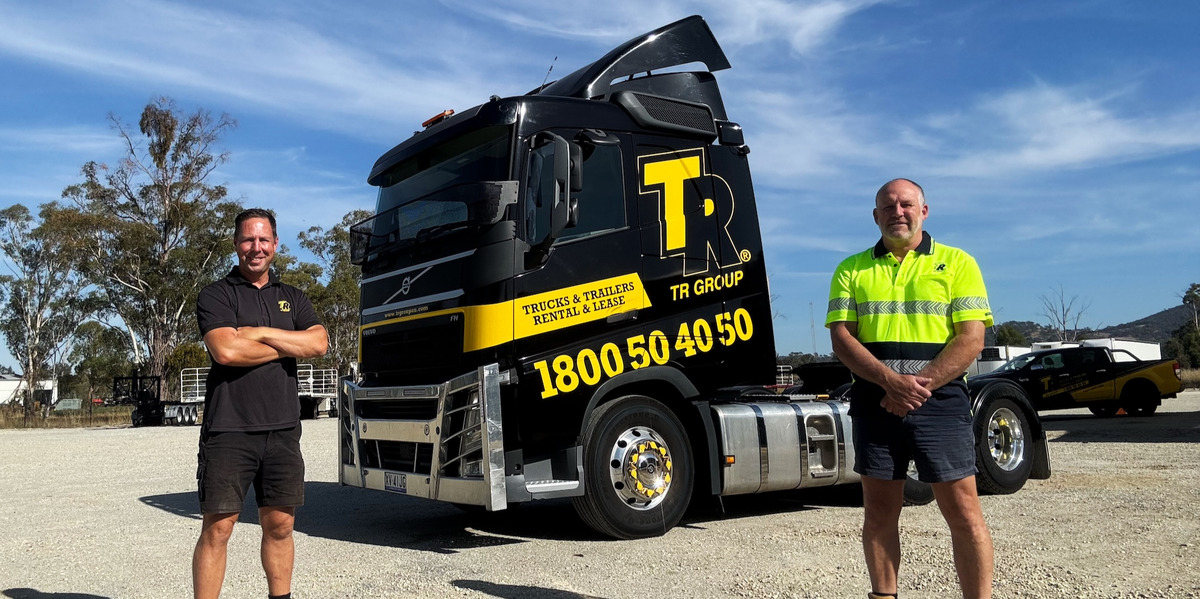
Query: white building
[{"x": 12, "y": 389}]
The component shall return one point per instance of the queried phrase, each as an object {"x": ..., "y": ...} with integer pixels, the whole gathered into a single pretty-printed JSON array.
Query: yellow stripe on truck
[{"x": 494, "y": 324}]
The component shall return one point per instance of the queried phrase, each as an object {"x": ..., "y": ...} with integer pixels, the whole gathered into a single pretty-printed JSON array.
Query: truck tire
[
  {"x": 637, "y": 469},
  {"x": 1140, "y": 398},
  {"x": 915, "y": 491},
  {"x": 308, "y": 407},
  {"x": 1003, "y": 446}
]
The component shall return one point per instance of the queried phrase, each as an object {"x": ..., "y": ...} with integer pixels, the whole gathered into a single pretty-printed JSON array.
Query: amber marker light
[
  {"x": 729, "y": 460},
  {"x": 438, "y": 118}
]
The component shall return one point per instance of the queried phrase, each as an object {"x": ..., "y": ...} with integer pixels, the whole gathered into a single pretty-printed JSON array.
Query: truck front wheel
[
  {"x": 1003, "y": 447},
  {"x": 637, "y": 469}
]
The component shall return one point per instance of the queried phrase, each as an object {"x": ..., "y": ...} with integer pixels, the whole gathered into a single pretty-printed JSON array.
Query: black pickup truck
[{"x": 1104, "y": 381}]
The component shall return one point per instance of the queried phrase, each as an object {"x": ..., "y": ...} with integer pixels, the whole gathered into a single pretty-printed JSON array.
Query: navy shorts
[
  {"x": 230, "y": 461},
  {"x": 942, "y": 446}
]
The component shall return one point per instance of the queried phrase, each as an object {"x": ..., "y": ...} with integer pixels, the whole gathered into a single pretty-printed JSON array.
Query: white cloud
[
  {"x": 803, "y": 25},
  {"x": 267, "y": 62},
  {"x": 72, "y": 140},
  {"x": 1047, "y": 128}
]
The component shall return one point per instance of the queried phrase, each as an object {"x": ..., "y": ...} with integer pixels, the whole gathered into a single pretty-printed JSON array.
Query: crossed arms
[
  {"x": 907, "y": 392},
  {"x": 251, "y": 346}
]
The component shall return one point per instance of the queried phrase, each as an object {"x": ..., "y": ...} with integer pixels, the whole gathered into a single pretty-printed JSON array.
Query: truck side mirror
[
  {"x": 566, "y": 172},
  {"x": 572, "y": 212},
  {"x": 576, "y": 167}
]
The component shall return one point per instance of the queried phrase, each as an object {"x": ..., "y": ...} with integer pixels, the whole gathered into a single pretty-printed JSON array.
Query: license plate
[{"x": 395, "y": 481}]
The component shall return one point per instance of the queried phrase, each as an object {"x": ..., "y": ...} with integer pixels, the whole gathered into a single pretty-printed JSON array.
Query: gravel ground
[{"x": 111, "y": 513}]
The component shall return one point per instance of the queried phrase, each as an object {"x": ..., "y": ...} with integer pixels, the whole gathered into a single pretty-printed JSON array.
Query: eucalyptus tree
[
  {"x": 333, "y": 286},
  {"x": 43, "y": 296},
  {"x": 154, "y": 228}
]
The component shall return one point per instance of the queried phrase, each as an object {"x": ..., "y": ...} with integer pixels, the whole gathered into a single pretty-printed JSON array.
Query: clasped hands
[{"x": 904, "y": 393}]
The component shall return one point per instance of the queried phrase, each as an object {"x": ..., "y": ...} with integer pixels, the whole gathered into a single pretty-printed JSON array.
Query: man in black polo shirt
[{"x": 254, "y": 327}]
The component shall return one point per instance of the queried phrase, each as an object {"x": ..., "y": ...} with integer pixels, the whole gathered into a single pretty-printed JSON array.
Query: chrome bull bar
[{"x": 443, "y": 442}]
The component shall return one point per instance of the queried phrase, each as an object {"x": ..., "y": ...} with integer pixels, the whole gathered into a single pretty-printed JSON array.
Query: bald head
[{"x": 900, "y": 183}]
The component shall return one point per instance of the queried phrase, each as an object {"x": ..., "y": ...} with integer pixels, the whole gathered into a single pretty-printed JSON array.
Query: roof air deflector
[{"x": 682, "y": 42}]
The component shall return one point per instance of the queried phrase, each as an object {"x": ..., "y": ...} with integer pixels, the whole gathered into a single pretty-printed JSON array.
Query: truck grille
[
  {"x": 421, "y": 351},
  {"x": 401, "y": 456},
  {"x": 679, "y": 113},
  {"x": 421, "y": 408}
]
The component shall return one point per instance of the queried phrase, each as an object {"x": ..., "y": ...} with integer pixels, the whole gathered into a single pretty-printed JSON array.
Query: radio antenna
[{"x": 547, "y": 77}]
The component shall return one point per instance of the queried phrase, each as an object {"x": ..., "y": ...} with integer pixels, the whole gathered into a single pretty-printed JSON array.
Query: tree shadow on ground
[
  {"x": 25, "y": 593},
  {"x": 509, "y": 591},
  {"x": 1163, "y": 427}
]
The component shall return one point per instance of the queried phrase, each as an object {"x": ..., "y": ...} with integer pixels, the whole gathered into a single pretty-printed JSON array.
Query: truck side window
[
  {"x": 602, "y": 201},
  {"x": 1052, "y": 361}
]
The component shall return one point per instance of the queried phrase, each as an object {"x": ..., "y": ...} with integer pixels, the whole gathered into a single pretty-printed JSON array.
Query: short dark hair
[{"x": 254, "y": 213}]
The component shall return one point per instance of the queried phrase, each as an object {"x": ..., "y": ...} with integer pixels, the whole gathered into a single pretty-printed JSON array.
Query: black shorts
[
  {"x": 941, "y": 446},
  {"x": 230, "y": 461}
]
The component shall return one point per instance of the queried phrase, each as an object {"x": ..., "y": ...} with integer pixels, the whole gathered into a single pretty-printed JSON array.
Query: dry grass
[
  {"x": 1191, "y": 378},
  {"x": 14, "y": 417}
]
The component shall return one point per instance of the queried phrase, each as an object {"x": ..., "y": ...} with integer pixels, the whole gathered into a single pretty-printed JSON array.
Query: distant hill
[{"x": 1154, "y": 328}]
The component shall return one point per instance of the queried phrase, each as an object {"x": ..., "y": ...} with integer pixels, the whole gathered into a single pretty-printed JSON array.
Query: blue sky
[{"x": 1057, "y": 142}]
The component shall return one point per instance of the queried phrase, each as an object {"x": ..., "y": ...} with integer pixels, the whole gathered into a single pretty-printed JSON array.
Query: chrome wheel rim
[
  {"x": 1006, "y": 439},
  {"x": 640, "y": 468}
]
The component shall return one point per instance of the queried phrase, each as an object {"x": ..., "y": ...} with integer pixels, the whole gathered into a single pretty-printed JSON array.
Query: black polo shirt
[{"x": 255, "y": 398}]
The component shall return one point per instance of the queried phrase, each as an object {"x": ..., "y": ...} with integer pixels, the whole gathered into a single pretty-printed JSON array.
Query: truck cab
[{"x": 596, "y": 237}]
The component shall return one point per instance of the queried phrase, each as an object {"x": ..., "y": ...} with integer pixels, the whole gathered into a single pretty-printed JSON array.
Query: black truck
[{"x": 564, "y": 295}]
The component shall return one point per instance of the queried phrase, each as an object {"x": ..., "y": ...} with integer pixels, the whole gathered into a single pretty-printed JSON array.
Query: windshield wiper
[{"x": 430, "y": 233}]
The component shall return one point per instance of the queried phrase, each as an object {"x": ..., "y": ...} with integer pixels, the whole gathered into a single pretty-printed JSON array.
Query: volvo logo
[{"x": 406, "y": 284}]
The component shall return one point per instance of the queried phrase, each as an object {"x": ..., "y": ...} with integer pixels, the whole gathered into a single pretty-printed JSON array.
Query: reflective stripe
[
  {"x": 842, "y": 303},
  {"x": 960, "y": 304},
  {"x": 918, "y": 300},
  {"x": 909, "y": 307},
  {"x": 906, "y": 366}
]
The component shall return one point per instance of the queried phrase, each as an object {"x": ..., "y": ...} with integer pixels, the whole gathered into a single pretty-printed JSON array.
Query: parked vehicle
[
  {"x": 1096, "y": 377},
  {"x": 317, "y": 388},
  {"x": 559, "y": 299}
]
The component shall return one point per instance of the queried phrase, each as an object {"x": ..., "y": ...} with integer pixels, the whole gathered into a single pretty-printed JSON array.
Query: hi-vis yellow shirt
[{"x": 905, "y": 311}]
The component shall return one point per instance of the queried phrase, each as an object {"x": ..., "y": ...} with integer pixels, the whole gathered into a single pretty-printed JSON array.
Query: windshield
[
  {"x": 480, "y": 155},
  {"x": 456, "y": 185},
  {"x": 1017, "y": 362}
]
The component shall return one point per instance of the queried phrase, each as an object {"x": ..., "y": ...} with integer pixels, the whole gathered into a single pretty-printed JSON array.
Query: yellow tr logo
[
  {"x": 671, "y": 174},
  {"x": 284, "y": 306},
  {"x": 688, "y": 211}
]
